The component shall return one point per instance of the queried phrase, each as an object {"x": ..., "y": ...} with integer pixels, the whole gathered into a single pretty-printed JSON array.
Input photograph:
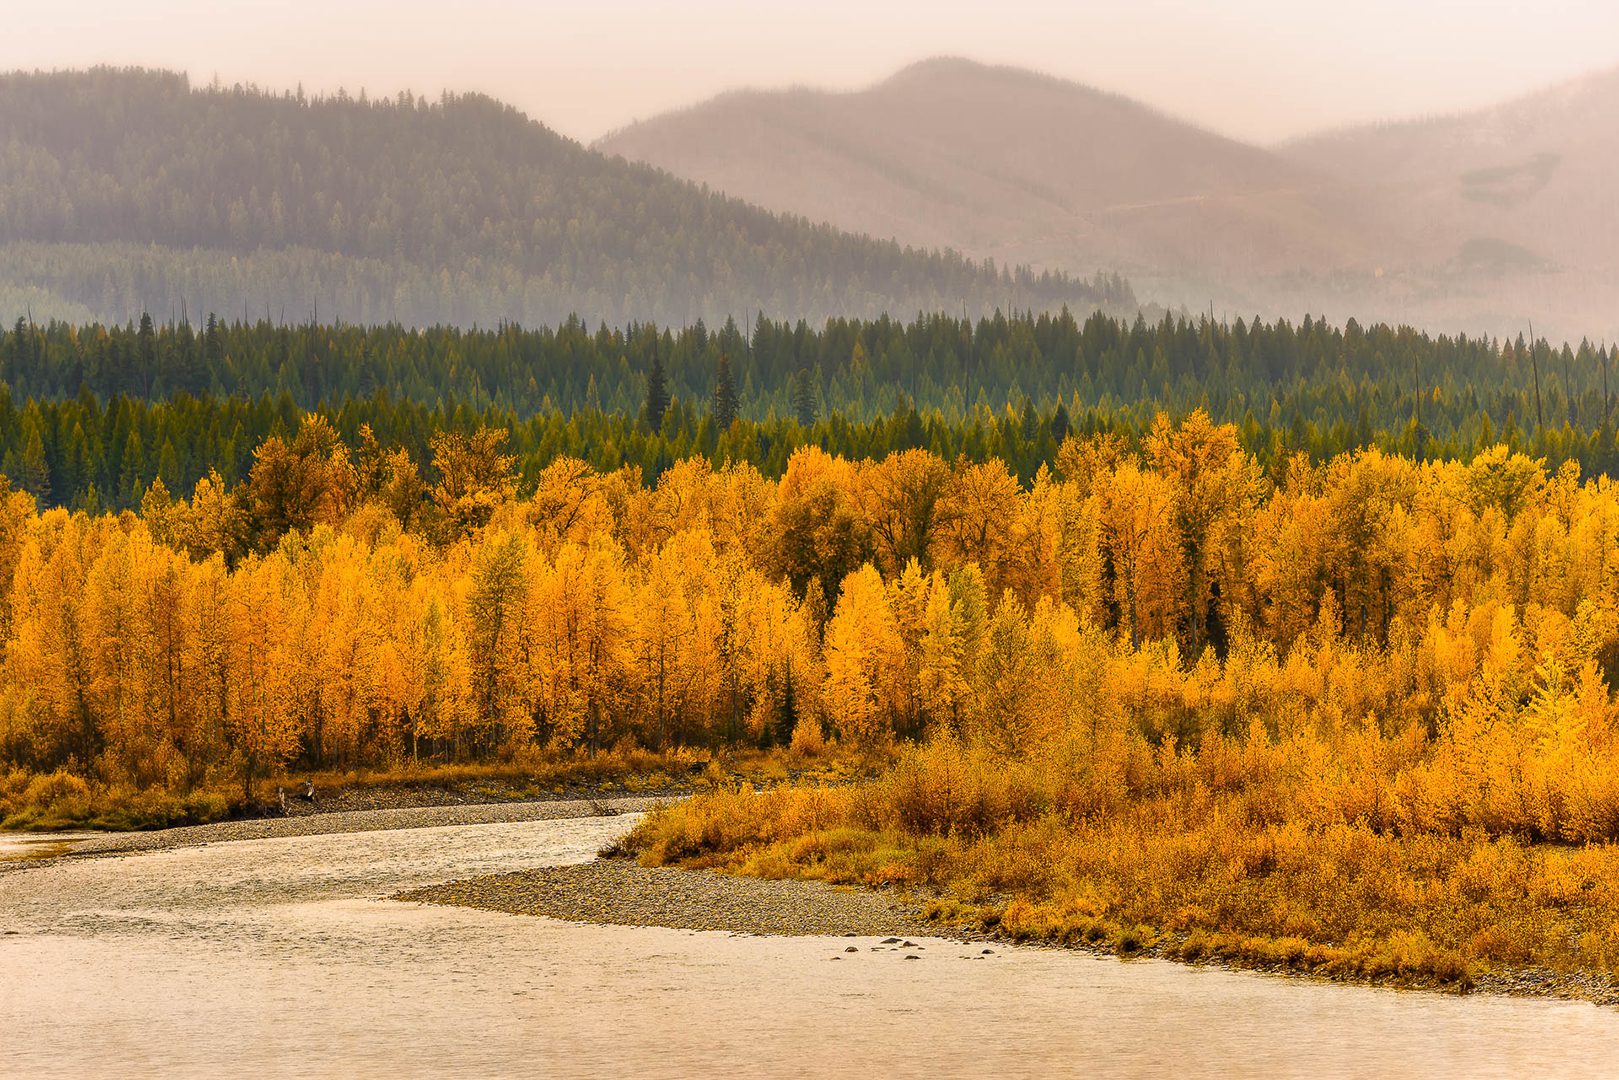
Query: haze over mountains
[
  {"x": 1523, "y": 190},
  {"x": 130, "y": 191},
  {"x": 1471, "y": 222}
]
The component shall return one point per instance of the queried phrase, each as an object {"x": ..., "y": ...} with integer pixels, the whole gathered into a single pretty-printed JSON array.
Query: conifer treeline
[
  {"x": 1370, "y": 378},
  {"x": 337, "y": 608},
  {"x": 96, "y": 413}
]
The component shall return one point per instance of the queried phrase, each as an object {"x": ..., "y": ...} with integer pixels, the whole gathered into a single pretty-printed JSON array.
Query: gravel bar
[
  {"x": 621, "y": 893},
  {"x": 352, "y": 821}
]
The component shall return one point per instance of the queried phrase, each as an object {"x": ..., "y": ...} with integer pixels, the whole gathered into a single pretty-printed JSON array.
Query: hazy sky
[{"x": 1259, "y": 69}]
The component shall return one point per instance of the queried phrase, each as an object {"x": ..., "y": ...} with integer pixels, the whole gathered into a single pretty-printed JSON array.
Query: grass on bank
[
  {"x": 62, "y": 800},
  {"x": 1184, "y": 870}
]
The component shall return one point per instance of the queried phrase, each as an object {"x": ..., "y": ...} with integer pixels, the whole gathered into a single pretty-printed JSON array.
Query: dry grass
[{"x": 1173, "y": 865}]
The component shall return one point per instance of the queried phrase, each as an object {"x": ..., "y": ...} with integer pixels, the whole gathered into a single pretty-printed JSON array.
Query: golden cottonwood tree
[
  {"x": 261, "y": 708},
  {"x": 864, "y": 656},
  {"x": 1419, "y": 645}
]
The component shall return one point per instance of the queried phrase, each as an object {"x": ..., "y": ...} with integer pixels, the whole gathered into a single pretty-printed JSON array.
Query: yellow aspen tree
[
  {"x": 774, "y": 662},
  {"x": 816, "y": 529},
  {"x": 1217, "y": 488},
  {"x": 168, "y": 617},
  {"x": 941, "y": 683},
  {"x": 261, "y": 721},
  {"x": 978, "y": 511},
  {"x": 1290, "y": 573},
  {"x": 580, "y": 632},
  {"x": 113, "y": 645},
  {"x": 661, "y": 627},
  {"x": 475, "y": 477},
  {"x": 207, "y": 742},
  {"x": 448, "y": 713},
  {"x": 739, "y": 510},
  {"x": 864, "y": 654},
  {"x": 908, "y": 599},
  {"x": 1008, "y": 680},
  {"x": 900, "y": 498},
  {"x": 1135, "y": 510},
  {"x": 395, "y": 655},
  {"x": 1035, "y": 561},
  {"x": 214, "y": 522},
  {"x": 569, "y": 504},
  {"x": 341, "y": 628},
  {"x": 48, "y": 653},
  {"x": 17, "y": 511},
  {"x": 680, "y": 501},
  {"x": 503, "y": 570}
]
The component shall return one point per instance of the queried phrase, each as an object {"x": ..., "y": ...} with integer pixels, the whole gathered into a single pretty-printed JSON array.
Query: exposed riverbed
[{"x": 277, "y": 957}]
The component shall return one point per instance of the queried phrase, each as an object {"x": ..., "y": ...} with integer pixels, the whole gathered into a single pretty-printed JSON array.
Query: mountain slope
[
  {"x": 1512, "y": 206},
  {"x": 1003, "y": 162},
  {"x": 130, "y": 189},
  {"x": 1535, "y": 171},
  {"x": 1472, "y": 223}
]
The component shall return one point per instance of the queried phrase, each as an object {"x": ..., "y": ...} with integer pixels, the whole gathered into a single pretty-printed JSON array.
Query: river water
[{"x": 271, "y": 958}]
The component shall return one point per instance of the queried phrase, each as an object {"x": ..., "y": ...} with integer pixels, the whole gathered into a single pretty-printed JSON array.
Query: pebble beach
[{"x": 621, "y": 893}]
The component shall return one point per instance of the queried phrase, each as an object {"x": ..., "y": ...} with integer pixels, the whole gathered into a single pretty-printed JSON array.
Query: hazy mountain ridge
[
  {"x": 1470, "y": 222},
  {"x": 132, "y": 189},
  {"x": 945, "y": 138},
  {"x": 1534, "y": 169}
]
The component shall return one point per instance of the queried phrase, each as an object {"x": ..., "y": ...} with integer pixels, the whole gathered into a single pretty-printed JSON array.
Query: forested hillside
[{"x": 131, "y": 190}]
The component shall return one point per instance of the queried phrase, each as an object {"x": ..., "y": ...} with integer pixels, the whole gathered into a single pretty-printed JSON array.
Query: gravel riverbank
[
  {"x": 353, "y": 821},
  {"x": 624, "y": 894}
]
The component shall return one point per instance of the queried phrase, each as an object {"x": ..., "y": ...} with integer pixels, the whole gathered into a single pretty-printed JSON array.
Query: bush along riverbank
[
  {"x": 1160, "y": 861},
  {"x": 54, "y": 801}
]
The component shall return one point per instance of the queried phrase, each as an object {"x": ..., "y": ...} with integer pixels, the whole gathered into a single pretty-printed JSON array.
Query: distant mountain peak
[{"x": 1004, "y": 162}]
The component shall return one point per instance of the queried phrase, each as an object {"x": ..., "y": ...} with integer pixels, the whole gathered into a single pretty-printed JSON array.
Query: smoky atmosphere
[{"x": 886, "y": 539}]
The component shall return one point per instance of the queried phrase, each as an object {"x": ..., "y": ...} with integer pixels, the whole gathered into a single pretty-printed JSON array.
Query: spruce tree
[
  {"x": 724, "y": 395},
  {"x": 213, "y": 351},
  {"x": 1061, "y": 425},
  {"x": 657, "y": 393},
  {"x": 804, "y": 397}
]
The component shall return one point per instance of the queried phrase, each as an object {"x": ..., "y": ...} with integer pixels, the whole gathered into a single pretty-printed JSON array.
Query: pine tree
[
  {"x": 804, "y": 404},
  {"x": 146, "y": 353},
  {"x": 725, "y": 403},
  {"x": 213, "y": 345},
  {"x": 657, "y": 393},
  {"x": 27, "y": 464},
  {"x": 1061, "y": 425}
]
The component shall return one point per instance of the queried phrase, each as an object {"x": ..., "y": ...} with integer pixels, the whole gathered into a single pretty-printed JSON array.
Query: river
[{"x": 278, "y": 957}]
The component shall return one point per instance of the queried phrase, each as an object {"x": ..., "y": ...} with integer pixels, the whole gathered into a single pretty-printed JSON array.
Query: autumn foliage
[{"x": 1372, "y": 641}]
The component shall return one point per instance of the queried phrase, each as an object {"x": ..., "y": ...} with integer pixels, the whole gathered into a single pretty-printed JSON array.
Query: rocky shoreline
[
  {"x": 621, "y": 893},
  {"x": 618, "y": 892},
  {"x": 352, "y": 821},
  {"x": 430, "y": 794}
]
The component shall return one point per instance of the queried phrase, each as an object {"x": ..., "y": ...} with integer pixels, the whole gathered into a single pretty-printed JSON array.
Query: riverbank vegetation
[
  {"x": 1349, "y": 715},
  {"x": 66, "y": 799},
  {"x": 1243, "y": 852}
]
